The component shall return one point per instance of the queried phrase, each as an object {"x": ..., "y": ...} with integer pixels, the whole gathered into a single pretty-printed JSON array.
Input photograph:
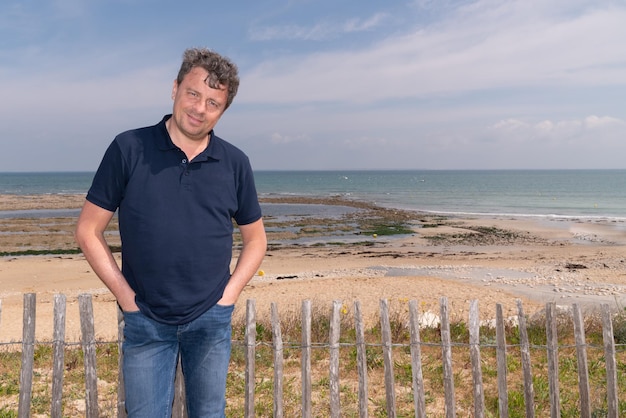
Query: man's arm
[
  {"x": 89, "y": 235},
  {"x": 252, "y": 253}
]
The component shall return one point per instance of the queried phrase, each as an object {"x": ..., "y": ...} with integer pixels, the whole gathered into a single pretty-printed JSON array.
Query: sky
[{"x": 325, "y": 84}]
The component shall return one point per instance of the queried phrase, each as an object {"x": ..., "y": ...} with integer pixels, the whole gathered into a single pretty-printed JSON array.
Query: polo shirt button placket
[{"x": 186, "y": 181}]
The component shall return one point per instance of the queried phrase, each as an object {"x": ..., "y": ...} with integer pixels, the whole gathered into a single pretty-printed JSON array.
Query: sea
[{"x": 567, "y": 194}]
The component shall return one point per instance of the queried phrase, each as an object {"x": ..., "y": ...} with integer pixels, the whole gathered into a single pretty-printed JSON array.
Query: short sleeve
[
  {"x": 248, "y": 202},
  {"x": 108, "y": 186}
]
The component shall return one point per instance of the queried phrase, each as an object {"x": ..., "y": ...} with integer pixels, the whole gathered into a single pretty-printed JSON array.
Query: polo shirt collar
[{"x": 213, "y": 152}]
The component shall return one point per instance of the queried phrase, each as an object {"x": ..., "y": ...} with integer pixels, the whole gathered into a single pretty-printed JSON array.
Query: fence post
[
  {"x": 416, "y": 361},
  {"x": 446, "y": 348},
  {"x": 335, "y": 323},
  {"x": 503, "y": 393},
  {"x": 179, "y": 405},
  {"x": 385, "y": 328},
  {"x": 89, "y": 351},
  {"x": 58, "y": 362},
  {"x": 477, "y": 373},
  {"x": 529, "y": 392},
  {"x": 581, "y": 354},
  {"x": 611, "y": 365},
  {"x": 250, "y": 356},
  {"x": 553, "y": 360},
  {"x": 121, "y": 393},
  {"x": 277, "y": 338},
  {"x": 361, "y": 358},
  {"x": 306, "y": 359},
  {"x": 28, "y": 353}
]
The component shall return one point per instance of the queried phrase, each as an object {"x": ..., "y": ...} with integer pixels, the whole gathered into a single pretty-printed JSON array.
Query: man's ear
[{"x": 174, "y": 89}]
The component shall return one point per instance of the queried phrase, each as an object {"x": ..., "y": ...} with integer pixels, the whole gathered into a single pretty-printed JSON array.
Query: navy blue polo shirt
[{"x": 175, "y": 217}]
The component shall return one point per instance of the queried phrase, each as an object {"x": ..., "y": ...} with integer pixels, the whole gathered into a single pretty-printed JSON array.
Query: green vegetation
[
  {"x": 73, "y": 380},
  {"x": 382, "y": 229},
  {"x": 60, "y": 251},
  {"x": 619, "y": 328},
  {"x": 369, "y": 220},
  {"x": 480, "y": 235},
  {"x": 40, "y": 252}
]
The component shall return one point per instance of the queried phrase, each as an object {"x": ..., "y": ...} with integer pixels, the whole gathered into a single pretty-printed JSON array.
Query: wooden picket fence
[{"x": 88, "y": 343}]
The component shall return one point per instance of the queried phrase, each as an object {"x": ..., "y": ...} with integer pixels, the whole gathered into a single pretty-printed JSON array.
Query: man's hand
[{"x": 252, "y": 253}]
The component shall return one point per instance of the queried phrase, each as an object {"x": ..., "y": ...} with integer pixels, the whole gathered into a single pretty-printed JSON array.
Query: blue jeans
[{"x": 151, "y": 352}]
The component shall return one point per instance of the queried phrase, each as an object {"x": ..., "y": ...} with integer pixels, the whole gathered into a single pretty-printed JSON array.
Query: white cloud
[
  {"x": 277, "y": 138},
  {"x": 599, "y": 122},
  {"x": 324, "y": 30},
  {"x": 366, "y": 141},
  {"x": 485, "y": 46},
  {"x": 359, "y": 25},
  {"x": 590, "y": 128}
]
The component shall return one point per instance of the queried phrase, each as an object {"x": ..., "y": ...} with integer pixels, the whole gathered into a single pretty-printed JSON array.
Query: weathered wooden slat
[
  {"x": 179, "y": 406},
  {"x": 446, "y": 350},
  {"x": 58, "y": 355},
  {"x": 333, "y": 340},
  {"x": 250, "y": 357},
  {"x": 385, "y": 328},
  {"x": 277, "y": 339},
  {"x": 477, "y": 371},
  {"x": 121, "y": 393},
  {"x": 611, "y": 364},
  {"x": 306, "y": 359},
  {"x": 503, "y": 393},
  {"x": 529, "y": 392},
  {"x": 553, "y": 360},
  {"x": 419, "y": 399},
  {"x": 361, "y": 359},
  {"x": 581, "y": 355},
  {"x": 28, "y": 353},
  {"x": 85, "y": 308}
]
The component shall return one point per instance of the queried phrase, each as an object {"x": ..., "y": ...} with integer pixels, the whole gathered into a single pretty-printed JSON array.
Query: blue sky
[{"x": 424, "y": 84}]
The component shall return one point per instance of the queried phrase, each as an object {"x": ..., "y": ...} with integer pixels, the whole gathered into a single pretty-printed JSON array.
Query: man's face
[{"x": 197, "y": 107}]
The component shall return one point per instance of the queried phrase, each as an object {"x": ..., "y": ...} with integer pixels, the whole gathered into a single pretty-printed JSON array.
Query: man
[{"x": 177, "y": 187}]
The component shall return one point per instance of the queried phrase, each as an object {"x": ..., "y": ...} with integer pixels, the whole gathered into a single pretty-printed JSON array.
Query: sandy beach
[{"x": 492, "y": 260}]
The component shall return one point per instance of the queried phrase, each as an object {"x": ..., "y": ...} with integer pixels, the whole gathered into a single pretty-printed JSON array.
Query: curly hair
[{"x": 222, "y": 71}]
